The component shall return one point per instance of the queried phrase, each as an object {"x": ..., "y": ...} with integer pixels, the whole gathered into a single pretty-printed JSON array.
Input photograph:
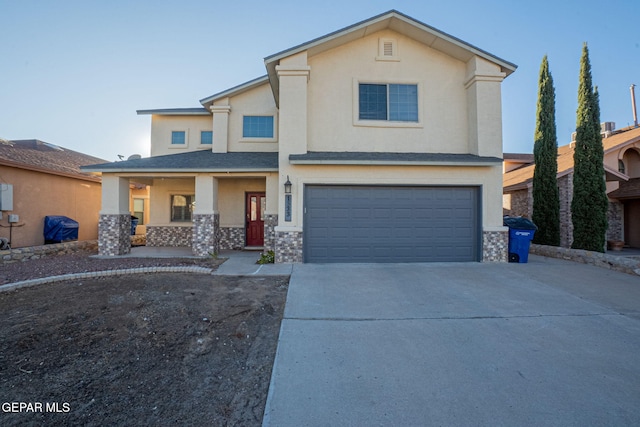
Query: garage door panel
[{"x": 390, "y": 224}]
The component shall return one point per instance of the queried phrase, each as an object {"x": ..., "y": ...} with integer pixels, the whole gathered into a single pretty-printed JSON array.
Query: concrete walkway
[
  {"x": 548, "y": 343},
  {"x": 243, "y": 263}
]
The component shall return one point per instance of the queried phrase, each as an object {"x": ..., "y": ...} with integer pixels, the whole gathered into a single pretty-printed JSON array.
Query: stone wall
[
  {"x": 521, "y": 203},
  {"x": 615, "y": 218},
  {"x": 495, "y": 246},
  {"x": 232, "y": 238},
  {"x": 158, "y": 235},
  {"x": 206, "y": 230},
  {"x": 37, "y": 252},
  {"x": 288, "y": 247},
  {"x": 113, "y": 234},
  {"x": 270, "y": 222},
  {"x": 605, "y": 260}
]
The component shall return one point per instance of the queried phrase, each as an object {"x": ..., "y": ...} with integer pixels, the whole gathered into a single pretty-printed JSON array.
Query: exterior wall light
[{"x": 287, "y": 186}]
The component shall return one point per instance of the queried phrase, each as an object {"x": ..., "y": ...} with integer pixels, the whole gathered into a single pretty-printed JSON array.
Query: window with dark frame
[
  {"x": 390, "y": 102},
  {"x": 182, "y": 207}
]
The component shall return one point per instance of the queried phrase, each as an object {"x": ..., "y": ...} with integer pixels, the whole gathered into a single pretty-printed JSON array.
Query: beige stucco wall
[
  {"x": 162, "y": 126},
  {"x": 333, "y": 98},
  {"x": 489, "y": 178},
  {"x": 36, "y": 195},
  {"x": 231, "y": 198},
  {"x": 255, "y": 102}
]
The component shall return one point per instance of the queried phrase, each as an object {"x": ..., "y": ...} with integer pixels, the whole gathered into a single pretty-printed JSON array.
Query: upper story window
[
  {"x": 178, "y": 137},
  {"x": 257, "y": 127},
  {"x": 390, "y": 102},
  {"x": 206, "y": 137}
]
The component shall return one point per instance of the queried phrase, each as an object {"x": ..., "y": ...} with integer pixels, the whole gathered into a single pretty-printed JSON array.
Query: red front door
[{"x": 255, "y": 219}]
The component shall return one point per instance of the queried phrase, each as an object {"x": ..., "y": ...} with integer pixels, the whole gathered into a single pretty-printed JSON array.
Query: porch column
[
  {"x": 206, "y": 217},
  {"x": 114, "y": 226},
  {"x": 220, "y": 127}
]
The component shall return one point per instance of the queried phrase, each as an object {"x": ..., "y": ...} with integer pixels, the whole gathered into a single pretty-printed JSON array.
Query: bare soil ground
[{"x": 157, "y": 349}]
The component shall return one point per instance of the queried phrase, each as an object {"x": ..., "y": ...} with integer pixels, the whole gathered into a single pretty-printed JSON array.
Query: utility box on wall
[{"x": 6, "y": 197}]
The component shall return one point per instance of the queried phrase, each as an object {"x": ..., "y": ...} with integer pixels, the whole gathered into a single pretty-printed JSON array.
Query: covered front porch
[{"x": 206, "y": 212}]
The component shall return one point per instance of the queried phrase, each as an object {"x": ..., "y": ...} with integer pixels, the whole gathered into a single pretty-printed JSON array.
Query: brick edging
[
  {"x": 604, "y": 260},
  {"x": 105, "y": 273}
]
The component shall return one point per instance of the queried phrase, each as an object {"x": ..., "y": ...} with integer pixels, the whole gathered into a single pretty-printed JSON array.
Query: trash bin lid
[{"x": 519, "y": 223}]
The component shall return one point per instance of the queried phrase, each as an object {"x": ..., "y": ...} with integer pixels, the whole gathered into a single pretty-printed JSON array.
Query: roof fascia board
[
  {"x": 393, "y": 162},
  {"x": 174, "y": 170},
  {"x": 175, "y": 112},
  {"x": 509, "y": 66},
  {"x": 31, "y": 168},
  {"x": 236, "y": 90}
]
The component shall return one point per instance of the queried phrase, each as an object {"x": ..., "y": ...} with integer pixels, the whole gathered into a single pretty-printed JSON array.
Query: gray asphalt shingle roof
[{"x": 194, "y": 161}]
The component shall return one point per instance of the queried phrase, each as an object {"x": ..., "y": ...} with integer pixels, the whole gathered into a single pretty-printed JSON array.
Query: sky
[{"x": 73, "y": 73}]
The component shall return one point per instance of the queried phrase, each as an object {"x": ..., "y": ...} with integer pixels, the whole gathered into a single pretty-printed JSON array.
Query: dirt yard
[{"x": 158, "y": 349}]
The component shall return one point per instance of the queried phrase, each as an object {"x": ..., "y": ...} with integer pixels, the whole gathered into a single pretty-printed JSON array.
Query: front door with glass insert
[{"x": 255, "y": 219}]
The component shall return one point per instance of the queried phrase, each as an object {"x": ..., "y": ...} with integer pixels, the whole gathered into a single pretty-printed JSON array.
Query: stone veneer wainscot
[
  {"x": 206, "y": 228},
  {"x": 495, "y": 246},
  {"x": 288, "y": 247},
  {"x": 159, "y": 235}
]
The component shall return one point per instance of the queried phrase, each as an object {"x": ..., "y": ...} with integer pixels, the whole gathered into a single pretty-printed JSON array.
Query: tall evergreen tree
[
  {"x": 589, "y": 204},
  {"x": 546, "y": 200}
]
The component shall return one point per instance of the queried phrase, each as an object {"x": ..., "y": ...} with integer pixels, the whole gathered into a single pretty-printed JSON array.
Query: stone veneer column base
[
  {"x": 270, "y": 222},
  {"x": 288, "y": 247},
  {"x": 206, "y": 234},
  {"x": 495, "y": 246},
  {"x": 113, "y": 234}
]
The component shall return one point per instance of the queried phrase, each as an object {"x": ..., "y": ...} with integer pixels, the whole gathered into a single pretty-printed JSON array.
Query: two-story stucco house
[{"x": 378, "y": 142}]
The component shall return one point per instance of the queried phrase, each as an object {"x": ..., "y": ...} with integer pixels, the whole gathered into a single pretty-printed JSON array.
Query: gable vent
[{"x": 387, "y": 50}]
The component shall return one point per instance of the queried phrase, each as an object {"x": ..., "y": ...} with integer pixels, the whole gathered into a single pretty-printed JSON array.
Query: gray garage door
[{"x": 390, "y": 224}]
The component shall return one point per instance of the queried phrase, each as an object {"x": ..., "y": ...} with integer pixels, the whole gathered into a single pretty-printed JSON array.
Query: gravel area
[{"x": 81, "y": 262}]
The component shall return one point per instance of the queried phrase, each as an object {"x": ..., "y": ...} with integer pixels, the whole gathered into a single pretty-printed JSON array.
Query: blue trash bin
[
  {"x": 521, "y": 232},
  {"x": 134, "y": 224}
]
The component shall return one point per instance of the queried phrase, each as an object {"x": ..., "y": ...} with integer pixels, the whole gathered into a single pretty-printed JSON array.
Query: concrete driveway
[{"x": 545, "y": 343}]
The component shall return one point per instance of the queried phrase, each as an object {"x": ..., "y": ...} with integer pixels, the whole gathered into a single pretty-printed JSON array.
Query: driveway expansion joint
[{"x": 384, "y": 319}]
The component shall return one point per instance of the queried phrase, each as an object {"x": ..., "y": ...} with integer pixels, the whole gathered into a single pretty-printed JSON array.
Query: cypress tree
[
  {"x": 589, "y": 204},
  {"x": 546, "y": 200}
]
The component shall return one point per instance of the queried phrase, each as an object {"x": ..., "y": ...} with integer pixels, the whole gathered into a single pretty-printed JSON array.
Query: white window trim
[
  {"x": 386, "y": 123},
  {"x": 275, "y": 128},
  {"x": 179, "y": 146}
]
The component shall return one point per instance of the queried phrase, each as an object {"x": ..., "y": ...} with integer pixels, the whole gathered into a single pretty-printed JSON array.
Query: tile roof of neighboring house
[
  {"x": 194, "y": 161},
  {"x": 36, "y": 155},
  {"x": 360, "y": 158},
  {"x": 520, "y": 178},
  {"x": 522, "y": 157}
]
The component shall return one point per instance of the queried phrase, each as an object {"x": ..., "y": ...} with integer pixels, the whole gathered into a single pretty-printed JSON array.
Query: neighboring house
[
  {"x": 622, "y": 170},
  {"x": 47, "y": 180},
  {"x": 378, "y": 142}
]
